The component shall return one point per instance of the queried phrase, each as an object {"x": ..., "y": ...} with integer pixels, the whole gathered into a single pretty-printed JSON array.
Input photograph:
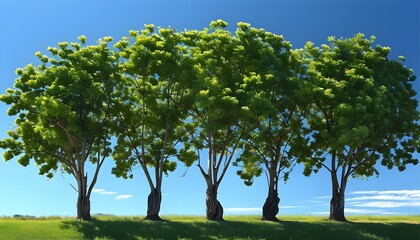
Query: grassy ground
[{"x": 235, "y": 227}]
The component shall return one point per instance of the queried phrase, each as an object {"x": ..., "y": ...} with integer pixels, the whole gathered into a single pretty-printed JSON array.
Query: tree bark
[
  {"x": 337, "y": 208},
  {"x": 337, "y": 199},
  {"x": 271, "y": 206},
  {"x": 83, "y": 206},
  {"x": 153, "y": 205},
  {"x": 214, "y": 209}
]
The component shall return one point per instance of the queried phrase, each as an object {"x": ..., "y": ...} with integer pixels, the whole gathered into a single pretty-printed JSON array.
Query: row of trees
[{"x": 246, "y": 99}]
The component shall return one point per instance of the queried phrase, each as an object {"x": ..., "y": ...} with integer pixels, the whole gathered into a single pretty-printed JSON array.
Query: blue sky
[{"x": 30, "y": 26}]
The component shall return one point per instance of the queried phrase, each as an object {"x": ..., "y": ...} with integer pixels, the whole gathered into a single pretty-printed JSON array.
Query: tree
[
  {"x": 218, "y": 105},
  {"x": 275, "y": 112},
  {"x": 363, "y": 111},
  {"x": 64, "y": 111},
  {"x": 153, "y": 104}
]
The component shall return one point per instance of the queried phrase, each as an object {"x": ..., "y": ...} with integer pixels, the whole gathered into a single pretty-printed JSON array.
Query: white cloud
[
  {"x": 385, "y": 204},
  {"x": 380, "y": 197},
  {"x": 364, "y": 192},
  {"x": 123, "y": 196},
  {"x": 292, "y": 206},
  {"x": 412, "y": 193},
  {"x": 361, "y": 211},
  {"x": 322, "y": 197},
  {"x": 245, "y": 209},
  {"x": 378, "y": 202},
  {"x": 385, "y": 199},
  {"x": 102, "y": 191},
  {"x": 311, "y": 201}
]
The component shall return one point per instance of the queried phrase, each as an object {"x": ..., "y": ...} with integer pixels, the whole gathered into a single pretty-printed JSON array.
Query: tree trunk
[
  {"x": 153, "y": 205},
  {"x": 271, "y": 206},
  {"x": 337, "y": 199},
  {"x": 214, "y": 209},
  {"x": 83, "y": 206},
  {"x": 337, "y": 208}
]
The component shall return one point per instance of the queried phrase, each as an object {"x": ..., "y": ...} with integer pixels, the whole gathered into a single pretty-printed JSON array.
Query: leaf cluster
[
  {"x": 363, "y": 108},
  {"x": 62, "y": 107}
]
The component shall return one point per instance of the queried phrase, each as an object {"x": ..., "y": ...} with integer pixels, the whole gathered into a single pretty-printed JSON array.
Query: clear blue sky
[{"x": 30, "y": 26}]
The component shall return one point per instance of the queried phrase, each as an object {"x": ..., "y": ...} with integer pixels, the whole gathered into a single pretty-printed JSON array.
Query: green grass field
[{"x": 196, "y": 227}]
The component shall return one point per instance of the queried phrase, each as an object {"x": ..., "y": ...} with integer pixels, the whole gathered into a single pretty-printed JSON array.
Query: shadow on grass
[{"x": 134, "y": 229}]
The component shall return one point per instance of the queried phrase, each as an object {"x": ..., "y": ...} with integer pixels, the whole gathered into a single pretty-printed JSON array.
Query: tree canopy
[{"x": 63, "y": 110}]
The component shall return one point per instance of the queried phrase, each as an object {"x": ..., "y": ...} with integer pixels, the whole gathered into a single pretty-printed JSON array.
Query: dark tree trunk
[
  {"x": 153, "y": 205},
  {"x": 337, "y": 199},
  {"x": 271, "y": 206},
  {"x": 214, "y": 209},
  {"x": 337, "y": 208},
  {"x": 83, "y": 207}
]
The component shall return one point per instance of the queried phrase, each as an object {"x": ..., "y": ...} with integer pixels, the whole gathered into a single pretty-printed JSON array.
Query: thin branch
[
  {"x": 231, "y": 156},
  {"x": 205, "y": 175},
  {"x": 262, "y": 156},
  {"x": 325, "y": 166},
  {"x": 74, "y": 188},
  {"x": 343, "y": 168}
]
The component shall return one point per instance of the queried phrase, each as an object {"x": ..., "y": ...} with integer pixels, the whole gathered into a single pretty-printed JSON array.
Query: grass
[{"x": 196, "y": 227}]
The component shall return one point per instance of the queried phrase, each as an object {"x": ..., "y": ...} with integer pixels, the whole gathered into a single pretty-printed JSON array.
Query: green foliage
[
  {"x": 153, "y": 102},
  {"x": 364, "y": 108},
  {"x": 219, "y": 100},
  {"x": 62, "y": 108},
  {"x": 275, "y": 109}
]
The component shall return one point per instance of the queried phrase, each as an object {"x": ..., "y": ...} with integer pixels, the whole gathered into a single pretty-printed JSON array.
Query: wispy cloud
[
  {"x": 244, "y": 209},
  {"x": 119, "y": 197},
  {"x": 311, "y": 201},
  {"x": 385, "y": 199},
  {"x": 102, "y": 191},
  {"x": 385, "y": 204},
  {"x": 291, "y": 206},
  {"x": 123, "y": 196},
  {"x": 414, "y": 193},
  {"x": 380, "y": 197},
  {"x": 323, "y": 197},
  {"x": 377, "y": 202},
  {"x": 360, "y": 211}
]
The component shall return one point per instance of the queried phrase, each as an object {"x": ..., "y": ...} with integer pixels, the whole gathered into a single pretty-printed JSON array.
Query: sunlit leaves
[
  {"x": 219, "y": 23},
  {"x": 153, "y": 101},
  {"x": 273, "y": 112},
  {"x": 61, "y": 106},
  {"x": 355, "y": 111}
]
